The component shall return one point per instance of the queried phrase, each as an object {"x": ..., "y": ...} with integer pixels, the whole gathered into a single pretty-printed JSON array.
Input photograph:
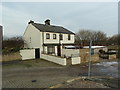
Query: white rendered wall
[
  {"x": 69, "y": 52},
  {"x": 27, "y": 54},
  {"x": 51, "y": 40},
  {"x": 61, "y": 61},
  {"x": 76, "y": 60},
  {"x": 64, "y": 41},
  {"x": 45, "y": 49},
  {"x": 56, "y": 50},
  {"x": 33, "y": 37}
]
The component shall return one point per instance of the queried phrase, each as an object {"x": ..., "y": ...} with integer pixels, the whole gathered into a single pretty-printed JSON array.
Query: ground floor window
[{"x": 51, "y": 49}]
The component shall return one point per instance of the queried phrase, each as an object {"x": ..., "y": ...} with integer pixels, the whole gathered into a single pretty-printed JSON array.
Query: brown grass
[
  {"x": 84, "y": 54},
  {"x": 11, "y": 57}
]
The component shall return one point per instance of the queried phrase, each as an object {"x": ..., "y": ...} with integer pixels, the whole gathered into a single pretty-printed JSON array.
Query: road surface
[{"x": 44, "y": 77}]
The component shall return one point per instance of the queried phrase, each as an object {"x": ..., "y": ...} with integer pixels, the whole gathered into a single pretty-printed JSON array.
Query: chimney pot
[{"x": 47, "y": 22}]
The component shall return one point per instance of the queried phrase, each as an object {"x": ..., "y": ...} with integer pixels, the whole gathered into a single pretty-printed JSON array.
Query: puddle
[
  {"x": 106, "y": 63},
  {"x": 107, "y": 68}
]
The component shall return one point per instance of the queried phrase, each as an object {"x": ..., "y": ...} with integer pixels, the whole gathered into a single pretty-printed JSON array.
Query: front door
[
  {"x": 58, "y": 51},
  {"x": 37, "y": 53}
]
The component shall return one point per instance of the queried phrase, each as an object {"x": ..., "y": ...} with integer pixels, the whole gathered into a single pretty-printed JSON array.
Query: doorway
[
  {"x": 58, "y": 51},
  {"x": 37, "y": 53}
]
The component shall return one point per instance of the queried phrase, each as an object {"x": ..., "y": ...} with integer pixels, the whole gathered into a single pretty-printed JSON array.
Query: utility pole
[{"x": 89, "y": 66}]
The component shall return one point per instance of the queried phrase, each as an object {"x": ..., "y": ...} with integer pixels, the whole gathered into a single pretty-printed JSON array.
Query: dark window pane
[
  {"x": 51, "y": 49},
  {"x": 61, "y": 37},
  {"x": 68, "y": 36},
  {"x": 47, "y": 36},
  {"x": 54, "y": 36}
]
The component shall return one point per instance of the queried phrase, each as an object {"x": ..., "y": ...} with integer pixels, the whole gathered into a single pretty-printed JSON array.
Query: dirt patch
[
  {"x": 83, "y": 84},
  {"x": 109, "y": 82}
]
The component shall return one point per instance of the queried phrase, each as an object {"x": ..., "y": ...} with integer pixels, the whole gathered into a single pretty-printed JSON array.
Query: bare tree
[
  {"x": 99, "y": 38},
  {"x": 113, "y": 40},
  {"x": 83, "y": 37}
]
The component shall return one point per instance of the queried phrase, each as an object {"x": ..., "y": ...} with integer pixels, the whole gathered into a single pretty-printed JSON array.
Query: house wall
[
  {"x": 58, "y": 60},
  {"x": 65, "y": 39},
  {"x": 51, "y": 40},
  {"x": 32, "y": 37},
  {"x": 54, "y": 41},
  {"x": 27, "y": 54},
  {"x": 45, "y": 49}
]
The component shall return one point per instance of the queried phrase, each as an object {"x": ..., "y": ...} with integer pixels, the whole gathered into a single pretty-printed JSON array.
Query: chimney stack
[
  {"x": 47, "y": 22},
  {"x": 30, "y": 22}
]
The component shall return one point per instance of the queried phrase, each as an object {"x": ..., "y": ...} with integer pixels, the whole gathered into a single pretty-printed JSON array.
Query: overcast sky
[{"x": 101, "y": 16}]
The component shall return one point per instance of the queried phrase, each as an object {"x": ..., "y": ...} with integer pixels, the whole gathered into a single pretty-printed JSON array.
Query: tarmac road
[{"x": 44, "y": 77}]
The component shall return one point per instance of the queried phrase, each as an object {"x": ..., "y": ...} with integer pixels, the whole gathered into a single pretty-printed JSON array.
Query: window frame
[
  {"x": 61, "y": 36},
  {"x": 51, "y": 49},
  {"x": 69, "y": 37},
  {"x": 54, "y": 36},
  {"x": 47, "y": 36}
]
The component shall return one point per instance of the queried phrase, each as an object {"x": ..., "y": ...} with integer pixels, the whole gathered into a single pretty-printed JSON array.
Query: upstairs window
[
  {"x": 54, "y": 36},
  {"x": 61, "y": 37},
  {"x": 47, "y": 36},
  {"x": 68, "y": 36}
]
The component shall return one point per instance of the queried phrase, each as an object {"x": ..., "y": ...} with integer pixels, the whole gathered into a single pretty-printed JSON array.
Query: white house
[
  {"x": 47, "y": 38},
  {"x": 48, "y": 41}
]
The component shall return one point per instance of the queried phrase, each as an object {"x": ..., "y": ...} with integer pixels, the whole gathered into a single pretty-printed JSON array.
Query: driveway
[{"x": 43, "y": 74}]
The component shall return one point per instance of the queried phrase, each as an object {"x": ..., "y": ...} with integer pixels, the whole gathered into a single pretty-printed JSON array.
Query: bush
[{"x": 13, "y": 44}]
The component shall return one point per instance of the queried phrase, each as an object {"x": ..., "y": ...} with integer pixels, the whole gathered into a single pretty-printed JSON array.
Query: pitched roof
[{"x": 51, "y": 28}]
